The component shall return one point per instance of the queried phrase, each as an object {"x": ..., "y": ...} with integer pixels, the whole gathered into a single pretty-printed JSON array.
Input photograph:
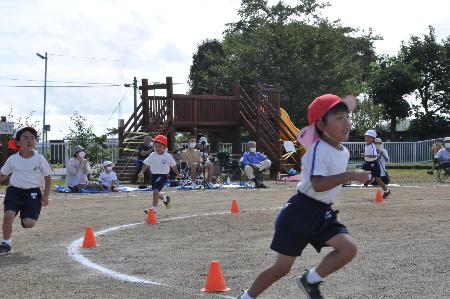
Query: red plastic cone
[
  {"x": 379, "y": 197},
  {"x": 89, "y": 238},
  {"x": 151, "y": 217},
  {"x": 234, "y": 207},
  {"x": 215, "y": 281}
]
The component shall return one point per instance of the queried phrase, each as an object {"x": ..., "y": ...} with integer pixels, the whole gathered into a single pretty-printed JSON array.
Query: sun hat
[
  {"x": 203, "y": 139},
  {"x": 316, "y": 110},
  {"x": 77, "y": 148},
  {"x": 161, "y": 139},
  {"x": 106, "y": 163},
  {"x": 19, "y": 131},
  {"x": 371, "y": 133}
]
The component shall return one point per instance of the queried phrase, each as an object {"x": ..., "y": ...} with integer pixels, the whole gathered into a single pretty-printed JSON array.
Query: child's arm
[
  {"x": 143, "y": 170},
  {"x": 47, "y": 186},
  {"x": 2, "y": 177},
  {"x": 325, "y": 183},
  {"x": 175, "y": 170}
]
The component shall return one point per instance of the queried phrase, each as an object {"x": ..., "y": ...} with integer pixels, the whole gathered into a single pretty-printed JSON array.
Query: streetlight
[{"x": 44, "y": 128}]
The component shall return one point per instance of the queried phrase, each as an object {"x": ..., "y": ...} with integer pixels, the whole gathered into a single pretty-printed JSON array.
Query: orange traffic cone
[
  {"x": 234, "y": 206},
  {"x": 89, "y": 238},
  {"x": 214, "y": 280},
  {"x": 151, "y": 217},
  {"x": 379, "y": 197}
]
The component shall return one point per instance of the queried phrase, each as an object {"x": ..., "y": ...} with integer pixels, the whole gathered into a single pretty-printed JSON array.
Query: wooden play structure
[{"x": 256, "y": 109}]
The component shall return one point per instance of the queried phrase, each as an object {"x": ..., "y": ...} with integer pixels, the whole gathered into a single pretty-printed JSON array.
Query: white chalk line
[{"x": 75, "y": 246}]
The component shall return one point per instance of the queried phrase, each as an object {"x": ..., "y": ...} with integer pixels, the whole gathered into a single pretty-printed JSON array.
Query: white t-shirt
[
  {"x": 322, "y": 159},
  {"x": 160, "y": 164},
  {"x": 370, "y": 150},
  {"x": 443, "y": 153},
  {"x": 107, "y": 179},
  {"x": 383, "y": 158},
  {"x": 27, "y": 173}
]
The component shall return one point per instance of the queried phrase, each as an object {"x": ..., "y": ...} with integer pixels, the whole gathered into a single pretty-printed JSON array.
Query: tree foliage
[
  {"x": 368, "y": 115},
  {"x": 290, "y": 45},
  {"x": 81, "y": 133}
]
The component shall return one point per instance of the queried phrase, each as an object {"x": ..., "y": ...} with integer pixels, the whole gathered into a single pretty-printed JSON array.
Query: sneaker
[
  {"x": 430, "y": 172},
  {"x": 311, "y": 290},
  {"x": 386, "y": 193},
  {"x": 211, "y": 185},
  {"x": 167, "y": 202},
  {"x": 146, "y": 211},
  {"x": 193, "y": 186},
  {"x": 4, "y": 248},
  {"x": 261, "y": 185}
]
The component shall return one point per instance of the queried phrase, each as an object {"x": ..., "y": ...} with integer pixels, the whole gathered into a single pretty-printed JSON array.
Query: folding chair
[
  {"x": 290, "y": 149},
  {"x": 230, "y": 170},
  {"x": 442, "y": 170},
  {"x": 186, "y": 179}
]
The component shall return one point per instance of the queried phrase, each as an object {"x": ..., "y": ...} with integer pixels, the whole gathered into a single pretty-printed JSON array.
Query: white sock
[
  {"x": 246, "y": 296},
  {"x": 154, "y": 208},
  {"x": 8, "y": 242},
  {"x": 313, "y": 276},
  {"x": 164, "y": 198}
]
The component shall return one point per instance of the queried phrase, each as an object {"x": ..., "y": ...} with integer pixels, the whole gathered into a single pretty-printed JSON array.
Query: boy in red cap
[
  {"x": 160, "y": 162},
  {"x": 29, "y": 173},
  {"x": 307, "y": 217}
]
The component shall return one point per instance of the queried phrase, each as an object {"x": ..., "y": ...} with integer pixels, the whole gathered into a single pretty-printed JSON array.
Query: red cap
[
  {"x": 161, "y": 139},
  {"x": 325, "y": 102}
]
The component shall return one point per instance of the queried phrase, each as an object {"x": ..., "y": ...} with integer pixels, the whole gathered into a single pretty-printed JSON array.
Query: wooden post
[
  {"x": 170, "y": 114},
  {"x": 4, "y": 142},
  {"x": 257, "y": 98},
  {"x": 236, "y": 141},
  {"x": 213, "y": 88},
  {"x": 145, "y": 104}
]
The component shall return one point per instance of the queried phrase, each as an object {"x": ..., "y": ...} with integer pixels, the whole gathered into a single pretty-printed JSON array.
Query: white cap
[
  {"x": 106, "y": 163},
  {"x": 203, "y": 139},
  {"x": 371, "y": 133}
]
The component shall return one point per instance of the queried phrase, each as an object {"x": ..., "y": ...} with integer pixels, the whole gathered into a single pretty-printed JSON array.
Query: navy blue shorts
[
  {"x": 373, "y": 167},
  {"x": 302, "y": 221},
  {"x": 159, "y": 181},
  {"x": 25, "y": 201}
]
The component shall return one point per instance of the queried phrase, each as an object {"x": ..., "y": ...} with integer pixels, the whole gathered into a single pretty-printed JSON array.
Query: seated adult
[
  {"x": 443, "y": 155},
  {"x": 144, "y": 150},
  {"x": 78, "y": 170},
  {"x": 196, "y": 162},
  {"x": 255, "y": 161}
]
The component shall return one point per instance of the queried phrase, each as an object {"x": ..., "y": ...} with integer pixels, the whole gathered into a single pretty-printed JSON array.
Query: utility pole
[{"x": 44, "y": 131}]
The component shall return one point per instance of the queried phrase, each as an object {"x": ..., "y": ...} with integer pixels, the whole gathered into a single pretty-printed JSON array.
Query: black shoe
[
  {"x": 430, "y": 172},
  {"x": 167, "y": 202},
  {"x": 261, "y": 185},
  {"x": 4, "y": 248},
  {"x": 386, "y": 193},
  {"x": 311, "y": 290},
  {"x": 146, "y": 211}
]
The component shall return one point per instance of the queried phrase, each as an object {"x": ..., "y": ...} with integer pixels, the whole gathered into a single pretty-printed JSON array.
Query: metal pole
[
  {"x": 135, "y": 101},
  {"x": 44, "y": 132}
]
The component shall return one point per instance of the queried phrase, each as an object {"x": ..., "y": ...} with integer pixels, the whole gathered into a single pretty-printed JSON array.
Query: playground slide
[{"x": 287, "y": 120}]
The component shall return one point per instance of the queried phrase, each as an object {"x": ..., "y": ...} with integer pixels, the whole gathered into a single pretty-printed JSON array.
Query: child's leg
[
  {"x": 381, "y": 183},
  {"x": 8, "y": 219},
  {"x": 28, "y": 222},
  {"x": 344, "y": 251},
  {"x": 156, "y": 196},
  {"x": 266, "y": 278}
]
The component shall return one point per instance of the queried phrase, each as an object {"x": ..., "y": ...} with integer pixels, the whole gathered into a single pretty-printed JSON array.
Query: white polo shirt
[
  {"x": 27, "y": 173},
  {"x": 107, "y": 179},
  {"x": 443, "y": 153},
  {"x": 370, "y": 150},
  {"x": 322, "y": 159},
  {"x": 160, "y": 164}
]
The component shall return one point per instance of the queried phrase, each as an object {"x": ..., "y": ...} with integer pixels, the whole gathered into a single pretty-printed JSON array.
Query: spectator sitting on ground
[
  {"x": 193, "y": 158},
  {"x": 144, "y": 150},
  {"x": 443, "y": 155},
  {"x": 255, "y": 161},
  {"x": 78, "y": 170},
  {"x": 108, "y": 178}
]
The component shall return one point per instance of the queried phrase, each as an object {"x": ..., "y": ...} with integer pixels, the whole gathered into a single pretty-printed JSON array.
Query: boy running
[
  {"x": 307, "y": 217},
  {"x": 160, "y": 162},
  {"x": 30, "y": 172}
]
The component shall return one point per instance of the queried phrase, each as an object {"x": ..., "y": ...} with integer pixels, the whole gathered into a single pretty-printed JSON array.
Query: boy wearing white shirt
[
  {"x": 108, "y": 178},
  {"x": 371, "y": 161},
  {"x": 29, "y": 173},
  {"x": 307, "y": 217},
  {"x": 160, "y": 163}
]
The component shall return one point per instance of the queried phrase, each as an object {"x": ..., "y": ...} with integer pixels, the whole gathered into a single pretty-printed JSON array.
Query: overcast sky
[{"x": 96, "y": 41}]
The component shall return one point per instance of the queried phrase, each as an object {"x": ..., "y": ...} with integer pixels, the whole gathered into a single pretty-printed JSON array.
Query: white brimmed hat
[
  {"x": 106, "y": 163},
  {"x": 371, "y": 133}
]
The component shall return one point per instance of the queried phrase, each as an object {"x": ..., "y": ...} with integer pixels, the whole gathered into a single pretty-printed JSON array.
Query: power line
[
  {"x": 68, "y": 82},
  {"x": 77, "y": 86},
  {"x": 99, "y": 58}
]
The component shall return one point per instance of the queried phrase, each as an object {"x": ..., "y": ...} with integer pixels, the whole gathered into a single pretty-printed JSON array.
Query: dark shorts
[
  {"x": 373, "y": 167},
  {"x": 302, "y": 221},
  {"x": 25, "y": 201},
  {"x": 159, "y": 181}
]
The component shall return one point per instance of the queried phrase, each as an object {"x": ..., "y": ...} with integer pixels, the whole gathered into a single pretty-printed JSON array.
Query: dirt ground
[{"x": 403, "y": 245}]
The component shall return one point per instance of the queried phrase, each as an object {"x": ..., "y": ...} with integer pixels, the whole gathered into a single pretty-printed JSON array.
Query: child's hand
[
  {"x": 178, "y": 176},
  {"x": 44, "y": 200},
  {"x": 140, "y": 177},
  {"x": 361, "y": 176}
]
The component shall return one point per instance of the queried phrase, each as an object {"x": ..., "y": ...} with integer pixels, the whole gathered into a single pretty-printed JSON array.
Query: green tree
[
  {"x": 294, "y": 47},
  {"x": 368, "y": 115},
  {"x": 23, "y": 121},
  {"x": 81, "y": 133},
  {"x": 431, "y": 61},
  {"x": 390, "y": 82}
]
